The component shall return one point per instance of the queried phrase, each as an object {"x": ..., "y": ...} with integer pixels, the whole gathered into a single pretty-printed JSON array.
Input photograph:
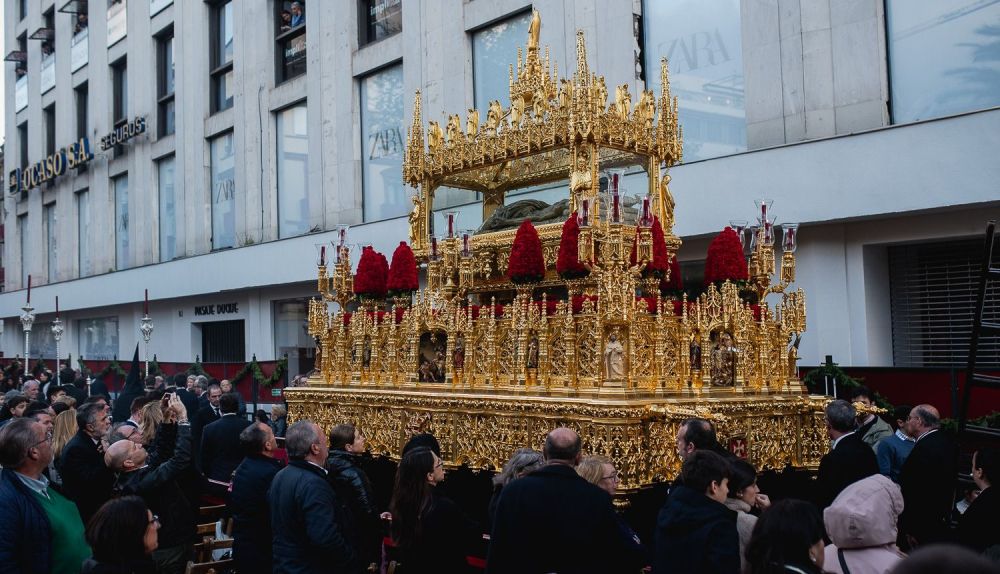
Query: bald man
[
  {"x": 157, "y": 484},
  {"x": 927, "y": 479},
  {"x": 552, "y": 520}
]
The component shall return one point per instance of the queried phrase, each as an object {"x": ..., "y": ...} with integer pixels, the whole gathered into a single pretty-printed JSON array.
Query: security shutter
[
  {"x": 223, "y": 342},
  {"x": 933, "y": 297}
]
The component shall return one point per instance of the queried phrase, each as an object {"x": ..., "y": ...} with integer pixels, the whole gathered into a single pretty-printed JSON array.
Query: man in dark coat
[
  {"x": 206, "y": 415},
  {"x": 156, "y": 483},
  {"x": 849, "y": 460},
  {"x": 179, "y": 387},
  {"x": 40, "y": 531},
  {"x": 308, "y": 534},
  {"x": 695, "y": 532},
  {"x": 353, "y": 489},
  {"x": 248, "y": 503},
  {"x": 553, "y": 520},
  {"x": 132, "y": 390},
  {"x": 220, "y": 446},
  {"x": 977, "y": 528},
  {"x": 86, "y": 480},
  {"x": 927, "y": 479}
]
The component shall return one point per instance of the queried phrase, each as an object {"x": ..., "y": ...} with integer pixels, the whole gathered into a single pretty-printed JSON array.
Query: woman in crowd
[
  {"x": 64, "y": 428},
  {"x": 13, "y": 408},
  {"x": 430, "y": 533},
  {"x": 279, "y": 420},
  {"x": 150, "y": 418},
  {"x": 122, "y": 535},
  {"x": 524, "y": 461},
  {"x": 744, "y": 496},
  {"x": 788, "y": 538},
  {"x": 861, "y": 523},
  {"x": 601, "y": 472}
]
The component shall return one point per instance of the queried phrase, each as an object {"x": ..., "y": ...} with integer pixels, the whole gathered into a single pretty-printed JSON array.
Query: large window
[
  {"x": 98, "y": 338},
  {"x": 291, "y": 39},
  {"x": 165, "y": 83},
  {"x": 222, "y": 56},
  {"x": 702, "y": 42},
  {"x": 22, "y": 144},
  {"x": 382, "y": 144},
  {"x": 51, "y": 232},
  {"x": 81, "y": 111},
  {"x": 289, "y": 336},
  {"x": 223, "y": 192},
  {"x": 168, "y": 208},
  {"x": 380, "y": 19},
  {"x": 50, "y": 130},
  {"x": 119, "y": 93},
  {"x": 944, "y": 57},
  {"x": 293, "y": 172},
  {"x": 932, "y": 295},
  {"x": 22, "y": 236},
  {"x": 83, "y": 232},
  {"x": 494, "y": 49},
  {"x": 117, "y": 21},
  {"x": 120, "y": 185},
  {"x": 42, "y": 343}
]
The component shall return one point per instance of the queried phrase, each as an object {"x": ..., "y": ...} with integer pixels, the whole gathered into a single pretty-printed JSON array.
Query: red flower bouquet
[
  {"x": 526, "y": 263},
  {"x": 725, "y": 259},
  {"x": 370, "y": 280},
  {"x": 568, "y": 264},
  {"x": 403, "y": 271}
]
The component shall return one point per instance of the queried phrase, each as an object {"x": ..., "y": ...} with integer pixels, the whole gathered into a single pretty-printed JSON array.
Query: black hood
[{"x": 687, "y": 510}]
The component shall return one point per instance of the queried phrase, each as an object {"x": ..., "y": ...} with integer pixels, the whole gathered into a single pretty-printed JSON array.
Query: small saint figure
[
  {"x": 695, "y": 351},
  {"x": 533, "y": 352},
  {"x": 723, "y": 361},
  {"x": 366, "y": 353},
  {"x": 614, "y": 359},
  {"x": 458, "y": 355}
]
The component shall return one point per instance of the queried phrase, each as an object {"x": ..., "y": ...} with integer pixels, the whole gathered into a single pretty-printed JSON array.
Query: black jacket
[
  {"x": 188, "y": 399},
  {"x": 202, "y": 418},
  {"x": 86, "y": 481},
  {"x": 122, "y": 406},
  {"x": 552, "y": 520},
  {"x": 92, "y": 566},
  {"x": 446, "y": 538},
  {"x": 354, "y": 492},
  {"x": 307, "y": 530},
  {"x": 977, "y": 528},
  {"x": 220, "y": 447},
  {"x": 25, "y": 533},
  {"x": 251, "y": 514},
  {"x": 695, "y": 534},
  {"x": 157, "y": 485},
  {"x": 851, "y": 461},
  {"x": 927, "y": 480}
]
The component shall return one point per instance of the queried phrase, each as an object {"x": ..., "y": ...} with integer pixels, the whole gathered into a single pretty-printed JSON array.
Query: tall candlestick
[
  {"x": 322, "y": 255},
  {"x": 451, "y": 224},
  {"x": 145, "y": 304},
  {"x": 434, "y": 247}
]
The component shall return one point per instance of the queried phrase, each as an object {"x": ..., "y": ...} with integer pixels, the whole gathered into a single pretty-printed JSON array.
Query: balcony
[
  {"x": 21, "y": 94},
  {"x": 79, "y": 52},
  {"x": 48, "y": 74}
]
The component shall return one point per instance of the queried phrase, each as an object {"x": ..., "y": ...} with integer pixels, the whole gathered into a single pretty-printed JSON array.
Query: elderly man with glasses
[
  {"x": 156, "y": 482},
  {"x": 40, "y": 530}
]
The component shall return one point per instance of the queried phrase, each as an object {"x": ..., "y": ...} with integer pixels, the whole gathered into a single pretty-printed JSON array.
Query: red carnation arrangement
[
  {"x": 661, "y": 259},
  {"x": 725, "y": 259},
  {"x": 568, "y": 264},
  {"x": 370, "y": 280},
  {"x": 403, "y": 271},
  {"x": 526, "y": 262}
]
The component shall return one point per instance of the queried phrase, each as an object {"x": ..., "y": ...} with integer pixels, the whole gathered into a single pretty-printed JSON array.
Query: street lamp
[
  {"x": 27, "y": 320},
  {"x": 146, "y": 329}
]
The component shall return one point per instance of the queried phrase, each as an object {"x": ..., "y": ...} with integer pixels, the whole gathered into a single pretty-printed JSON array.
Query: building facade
[{"x": 200, "y": 150}]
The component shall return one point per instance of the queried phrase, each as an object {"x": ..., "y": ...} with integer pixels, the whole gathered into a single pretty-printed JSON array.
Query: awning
[
  {"x": 43, "y": 34},
  {"x": 74, "y": 7},
  {"x": 16, "y": 56}
]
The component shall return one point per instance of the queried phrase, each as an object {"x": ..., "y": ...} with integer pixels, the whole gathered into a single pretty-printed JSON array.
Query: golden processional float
[{"x": 489, "y": 366}]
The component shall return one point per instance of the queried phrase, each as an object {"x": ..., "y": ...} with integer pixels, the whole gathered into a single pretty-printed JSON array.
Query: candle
[
  {"x": 645, "y": 210},
  {"x": 343, "y": 236},
  {"x": 29, "y": 289},
  {"x": 57, "y": 306},
  {"x": 322, "y": 255},
  {"x": 451, "y": 225},
  {"x": 434, "y": 248},
  {"x": 763, "y": 210},
  {"x": 585, "y": 212},
  {"x": 465, "y": 245},
  {"x": 615, "y": 207},
  {"x": 614, "y": 183},
  {"x": 145, "y": 305}
]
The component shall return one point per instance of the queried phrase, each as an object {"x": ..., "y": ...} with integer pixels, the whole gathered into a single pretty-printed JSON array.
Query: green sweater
[{"x": 69, "y": 546}]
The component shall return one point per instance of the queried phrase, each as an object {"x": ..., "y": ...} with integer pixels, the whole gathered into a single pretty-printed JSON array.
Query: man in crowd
[
  {"x": 157, "y": 484},
  {"x": 42, "y": 413},
  {"x": 871, "y": 428},
  {"x": 227, "y": 387},
  {"x": 206, "y": 415},
  {"x": 248, "y": 502},
  {"x": 201, "y": 388},
  {"x": 892, "y": 451},
  {"x": 136, "y": 408},
  {"x": 179, "y": 387},
  {"x": 308, "y": 532},
  {"x": 695, "y": 532},
  {"x": 30, "y": 389},
  {"x": 40, "y": 530},
  {"x": 927, "y": 479},
  {"x": 553, "y": 520},
  {"x": 977, "y": 528},
  {"x": 697, "y": 434},
  {"x": 849, "y": 459},
  {"x": 220, "y": 447},
  {"x": 353, "y": 489},
  {"x": 86, "y": 480}
]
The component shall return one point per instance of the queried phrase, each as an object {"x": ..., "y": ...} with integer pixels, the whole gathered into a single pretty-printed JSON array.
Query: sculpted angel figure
[
  {"x": 454, "y": 128},
  {"x": 623, "y": 101},
  {"x": 533, "y": 29},
  {"x": 472, "y": 123},
  {"x": 435, "y": 137},
  {"x": 614, "y": 358},
  {"x": 580, "y": 179},
  {"x": 516, "y": 111},
  {"x": 600, "y": 95},
  {"x": 540, "y": 104},
  {"x": 666, "y": 203},
  {"x": 645, "y": 109},
  {"x": 494, "y": 115},
  {"x": 415, "y": 215},
  {"x": 723, "y": 361},
  {"x": 565, "y": 94}
]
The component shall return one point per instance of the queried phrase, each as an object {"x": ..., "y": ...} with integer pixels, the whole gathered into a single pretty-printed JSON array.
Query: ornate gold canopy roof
[{"x": 554, "y": 129}]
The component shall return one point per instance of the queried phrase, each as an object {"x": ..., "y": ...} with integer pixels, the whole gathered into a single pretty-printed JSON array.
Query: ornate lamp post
[
  {"x": 27, "y": 320},
  {"x": 146, "y": 329}
]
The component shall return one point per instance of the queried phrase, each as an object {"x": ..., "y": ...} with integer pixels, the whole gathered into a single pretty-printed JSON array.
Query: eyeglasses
[
  {"x": 439, "y": 464},
  {"x": 612, "y": 477},
  {"x": 48, "y": 439},
  {"x": 155, "y": 520}
]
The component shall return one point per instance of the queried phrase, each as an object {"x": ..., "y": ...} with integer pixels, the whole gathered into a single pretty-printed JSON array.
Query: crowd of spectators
[{"x": 99, "y": 486}]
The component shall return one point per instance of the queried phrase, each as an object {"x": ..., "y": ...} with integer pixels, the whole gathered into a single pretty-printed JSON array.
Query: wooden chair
[
  {"x": 207, "y": 530},
  {"x": 211, "y": 513},
  {"x": 216, "y": 567},
  {"x": 203, "y": 551}
]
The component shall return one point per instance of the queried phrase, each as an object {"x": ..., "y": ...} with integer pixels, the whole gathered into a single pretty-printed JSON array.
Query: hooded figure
[{"x": 861, "y": 523}]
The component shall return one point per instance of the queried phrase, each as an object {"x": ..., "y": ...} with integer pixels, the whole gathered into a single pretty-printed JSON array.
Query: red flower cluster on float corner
[
  {"x": 403, "y": 271},
  {"x": 725, "y": 259},
  {"x": 526, "y": 263},
  {"x": 661, "y": 258},
  {"x": 568, "y": 264},
  {"x": 370, "y": 280}
]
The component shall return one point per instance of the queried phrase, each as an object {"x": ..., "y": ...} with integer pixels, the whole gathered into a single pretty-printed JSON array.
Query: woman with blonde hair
[
  {"x": 150, "y": 418},
  {"x": 601, "y": 472},
  {"x": 63, "y": 430}
]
